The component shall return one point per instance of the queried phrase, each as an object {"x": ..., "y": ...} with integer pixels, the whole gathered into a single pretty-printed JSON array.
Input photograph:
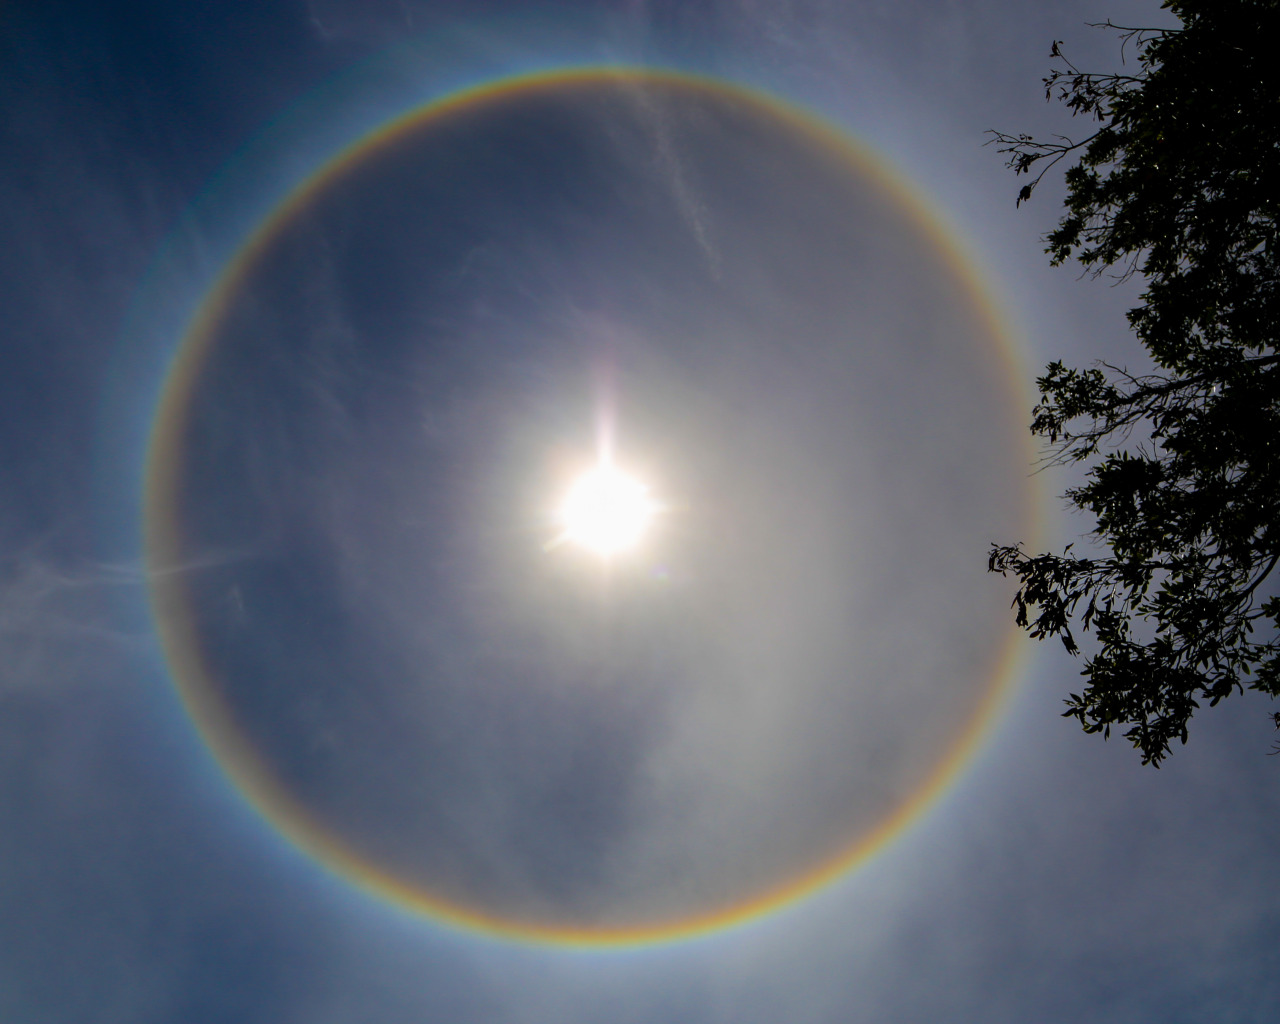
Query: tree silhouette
[{"x": 1178, "y": 182}]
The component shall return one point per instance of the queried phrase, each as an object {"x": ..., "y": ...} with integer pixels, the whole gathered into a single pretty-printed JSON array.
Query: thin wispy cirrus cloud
[{"x": 368, "y": 475}]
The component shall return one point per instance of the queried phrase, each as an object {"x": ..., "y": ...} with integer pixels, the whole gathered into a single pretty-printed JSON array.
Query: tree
[{"x": 1178, "y": 182}]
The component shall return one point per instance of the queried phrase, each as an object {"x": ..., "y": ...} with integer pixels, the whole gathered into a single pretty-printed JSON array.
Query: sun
[{"x": 606, "y": 512}]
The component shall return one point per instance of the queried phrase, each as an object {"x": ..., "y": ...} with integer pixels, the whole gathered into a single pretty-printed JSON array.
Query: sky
[{"x": 311, "y": 707}]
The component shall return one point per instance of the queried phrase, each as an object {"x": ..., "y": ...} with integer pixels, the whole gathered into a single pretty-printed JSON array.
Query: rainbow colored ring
[{"x": 178, "y": 633}]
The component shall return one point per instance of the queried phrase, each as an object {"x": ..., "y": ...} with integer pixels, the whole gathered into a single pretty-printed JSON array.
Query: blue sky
[{"x": 344, "y": 490}]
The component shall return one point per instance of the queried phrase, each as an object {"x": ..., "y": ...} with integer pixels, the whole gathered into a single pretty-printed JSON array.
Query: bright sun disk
[{"x": 606, "y": 511}]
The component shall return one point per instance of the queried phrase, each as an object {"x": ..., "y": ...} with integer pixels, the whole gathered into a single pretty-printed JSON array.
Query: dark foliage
[{"x": 1179, "y": 182}]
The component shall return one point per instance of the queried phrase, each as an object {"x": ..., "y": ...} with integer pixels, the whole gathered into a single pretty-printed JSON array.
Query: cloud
[
  {"x": 368, "y": 22},
  {"x": 659, "y": 114},
  {"x": 56, "y": 622}
]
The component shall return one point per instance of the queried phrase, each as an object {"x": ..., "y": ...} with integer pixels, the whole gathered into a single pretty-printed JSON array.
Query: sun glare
[{"x": 606, "y": 511}]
